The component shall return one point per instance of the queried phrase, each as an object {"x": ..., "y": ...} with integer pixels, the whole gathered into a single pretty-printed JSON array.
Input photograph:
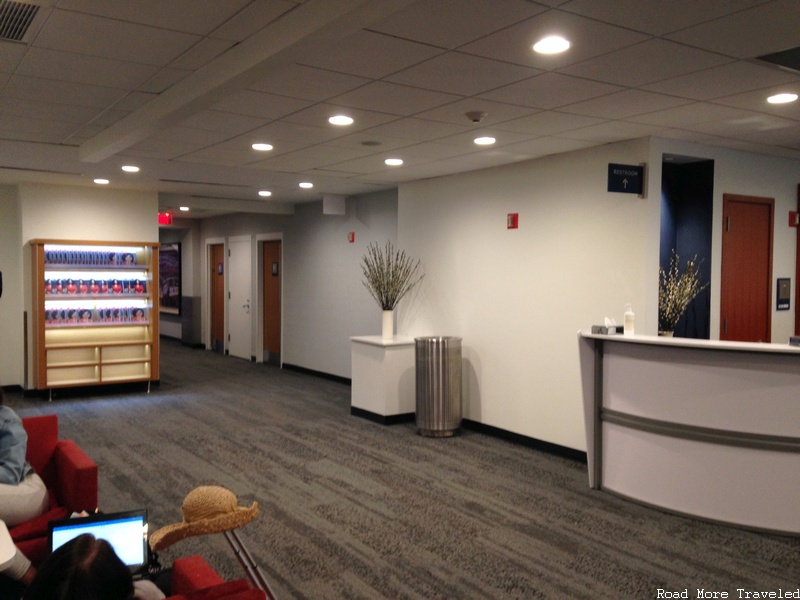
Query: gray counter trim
[{"x": 709, "y": 435}]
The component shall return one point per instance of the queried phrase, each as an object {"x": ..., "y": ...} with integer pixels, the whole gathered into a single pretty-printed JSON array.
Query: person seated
[
  {"x": 87, "y": 568},
  {"x": 23, "y": 494}
]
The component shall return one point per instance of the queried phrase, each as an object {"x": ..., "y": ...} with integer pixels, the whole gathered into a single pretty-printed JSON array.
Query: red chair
[
  {"x": 194, "y": 579},
  {"x": 69, "y": 474}
]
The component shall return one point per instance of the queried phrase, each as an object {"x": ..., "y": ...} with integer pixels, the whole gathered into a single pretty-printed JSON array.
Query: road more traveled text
[{"x": 739, "y": 593}]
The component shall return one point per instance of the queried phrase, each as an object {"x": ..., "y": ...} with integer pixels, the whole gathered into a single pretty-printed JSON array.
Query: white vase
[{"x": 388, "y": 325}]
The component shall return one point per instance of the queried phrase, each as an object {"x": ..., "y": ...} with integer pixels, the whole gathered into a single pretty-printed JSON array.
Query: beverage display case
[{"x": 95, "y": 313}]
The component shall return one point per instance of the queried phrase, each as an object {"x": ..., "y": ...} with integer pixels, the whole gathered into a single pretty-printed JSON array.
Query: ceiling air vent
[{"x": 15, "y": 19}]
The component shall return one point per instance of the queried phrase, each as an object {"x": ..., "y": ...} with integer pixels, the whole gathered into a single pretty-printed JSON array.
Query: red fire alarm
[
  {"x": 794, "y": 218},
  {"x": 351, "y": 237},
  {"x": 512, "y": 221}
]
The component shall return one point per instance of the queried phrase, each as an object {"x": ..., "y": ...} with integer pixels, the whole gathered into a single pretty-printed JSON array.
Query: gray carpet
[{"x": 353, "y": 509}]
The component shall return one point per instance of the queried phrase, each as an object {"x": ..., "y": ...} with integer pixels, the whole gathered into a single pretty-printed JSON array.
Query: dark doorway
[{"x": 687, "y": 207}]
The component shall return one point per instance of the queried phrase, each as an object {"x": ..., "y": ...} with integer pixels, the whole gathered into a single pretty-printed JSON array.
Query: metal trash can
[{"x": 438, "y": 367}]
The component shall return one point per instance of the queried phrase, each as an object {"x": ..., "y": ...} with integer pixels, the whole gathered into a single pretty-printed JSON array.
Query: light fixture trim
[
  {"x": 306, "y": 185},
  {"x": 101, "y": 181},
  {"x": 130, "y": 168},
  {"x": 393, "y": 162},
  {"x": 264, "y": 193},
  {"x": 552, "y": 44},
  {"x": 184, "y": 208},
  {"x": 485, "y": 140},
  {"x": 262, "y": 147},
  {"x": 341, "y": 120},
  {"x": 783, "y": 98}
]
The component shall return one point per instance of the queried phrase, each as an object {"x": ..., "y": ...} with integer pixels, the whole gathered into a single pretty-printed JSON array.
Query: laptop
[{"x": 125, "y": 531}]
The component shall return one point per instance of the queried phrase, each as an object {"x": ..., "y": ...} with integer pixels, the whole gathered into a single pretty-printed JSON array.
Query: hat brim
[{"x": 168, "y": 535}]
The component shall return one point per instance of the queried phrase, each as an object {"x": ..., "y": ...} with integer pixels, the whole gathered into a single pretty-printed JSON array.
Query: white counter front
[
  {"x": 383, "y": 378},
  {"x": 703, "y": 428}
]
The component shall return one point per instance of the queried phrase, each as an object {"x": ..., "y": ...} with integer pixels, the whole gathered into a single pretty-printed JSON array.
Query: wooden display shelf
[{"x": 94, "y": 352}]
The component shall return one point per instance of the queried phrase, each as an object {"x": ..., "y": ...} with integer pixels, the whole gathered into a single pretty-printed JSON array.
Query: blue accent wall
[{"x": 687, "y": 201}]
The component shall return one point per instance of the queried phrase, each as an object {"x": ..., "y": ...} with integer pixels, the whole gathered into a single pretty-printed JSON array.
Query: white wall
[
  {"x": 748, "y": 174},
  {"x": 324, "y": 301},
  {"x": 12, "y": 305},
  {"x": 519, "y": 297},
  {"x": 74, "y": 213}
]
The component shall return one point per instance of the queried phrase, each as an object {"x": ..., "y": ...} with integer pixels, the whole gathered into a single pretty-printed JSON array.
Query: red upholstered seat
[
  {"x": 69, "y": 474},
  {"x": 194, "y": 579}
]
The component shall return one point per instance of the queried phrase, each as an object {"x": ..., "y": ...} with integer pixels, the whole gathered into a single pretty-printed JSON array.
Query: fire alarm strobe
[{"x": 512, "y": 221}]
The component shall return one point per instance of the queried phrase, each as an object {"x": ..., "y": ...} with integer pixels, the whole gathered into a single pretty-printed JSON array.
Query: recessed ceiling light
[
  {"x": 485, "y": 141},
  {"x": 340, "y": 120},
  {"x": 184, "y": 208},
  {"x": 130, "y": 168},
  {"x": 306, "y": 185},
  {"x": 265, "y": 193},
  {"x": 553, "y": 44},
  {"x": 394, "y": 162},
  {"x": 99, "y": 181},
  {"x": 782, "y": 98},
  {"x": 261, "y": 147}
]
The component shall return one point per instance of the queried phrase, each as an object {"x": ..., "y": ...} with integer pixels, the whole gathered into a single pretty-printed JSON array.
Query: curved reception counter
[{"x": 702, "y": 428}]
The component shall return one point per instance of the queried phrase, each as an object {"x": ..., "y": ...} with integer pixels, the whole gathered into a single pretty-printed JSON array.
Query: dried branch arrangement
[
  {"x": 389, "y": 274},
  {"x": 676, "y": 289}
]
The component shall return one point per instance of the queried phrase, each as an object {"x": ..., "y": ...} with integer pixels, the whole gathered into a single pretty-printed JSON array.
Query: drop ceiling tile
[
  {"x": 453, "y": 23},
  {"x": 81, "y": 68},
  {"x": 37, "y": 130},
  {"x": 461, "y": 74},
  {"x": 550, "y": 90},
  {"x": 48, "y": 111},
  {"x": 745, "y": 127},
  {"x": 372, "y": 55},
  {"x": 756, "y": 100},
  {"x": 626, "y": 103},
  {"x": 777, "y": 22},
  {"x": 456, "y": 112},
  {"x": 191, "y": 136},
  {"x": 411, "y": 128},
  {"x": 317, "y": 115},
  {"x": 107, "y": 38},
  {"x": 684, "y": 117},
  {"x": 163, "y": 80},
  {"x": 380, "y": 96},
  {"x": 611, "y": 131},
  {"x": 133, "y": 100},
  {"x": 160, "y": 149},
  {"x": 192, "y": 16},
  {"x": 589, "y": 38},
  {"x": 547, "y": 123},
  {"x": 544, "y": 146},
  {"x": 64, "y": 92},
  {"x": 788, "y": 137},
  {"x": 466, "y": 141},
  {"x": 203, "y": 52},
  {"x": 252, "y": 19},
  {"x": 725, "y": 80},
  {"x": 297, "y": 134},
  {"x": 425, "y": 151},
  {"x": 229, "y": 153},
  {"x": 259, "y": 104},
  {"x": 657, "y": 17},
  {"x": 215, "y": 120},
  {"x": 308, "y": 83},
  {"x": 11, "y": 54},
  {"x": 644, "y": 63}
]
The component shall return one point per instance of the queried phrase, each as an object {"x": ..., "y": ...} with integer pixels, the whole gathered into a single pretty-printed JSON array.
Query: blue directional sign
[{"x": 627, "y": 179}]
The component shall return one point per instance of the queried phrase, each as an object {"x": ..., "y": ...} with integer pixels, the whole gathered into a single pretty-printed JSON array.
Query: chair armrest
[
  {"x": 192, "y": 573},
  {"x": 76, "y": 477}
]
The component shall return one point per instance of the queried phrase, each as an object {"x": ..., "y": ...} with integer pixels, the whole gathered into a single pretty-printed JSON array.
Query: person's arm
[{"x": 13, "y": 448}]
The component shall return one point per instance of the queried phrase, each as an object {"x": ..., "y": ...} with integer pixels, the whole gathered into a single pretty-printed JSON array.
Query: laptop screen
[{"x": 125, "y": 531}]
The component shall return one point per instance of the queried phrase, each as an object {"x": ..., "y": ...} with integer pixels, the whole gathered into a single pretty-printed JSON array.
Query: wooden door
[
  {"x": 746, "y": 286},
  {"x": 272, "y": 299},
  {"x": 217, "y": 279}
]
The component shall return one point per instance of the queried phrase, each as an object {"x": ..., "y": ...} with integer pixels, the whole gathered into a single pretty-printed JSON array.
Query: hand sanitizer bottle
[{"x": 628, "y": 326}]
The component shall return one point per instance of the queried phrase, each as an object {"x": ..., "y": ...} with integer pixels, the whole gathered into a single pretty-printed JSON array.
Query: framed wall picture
[{"x": 169, "y": 278}]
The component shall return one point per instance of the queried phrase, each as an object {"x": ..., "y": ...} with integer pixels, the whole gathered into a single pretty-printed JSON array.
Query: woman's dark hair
[{"x": 85, "y": 568}]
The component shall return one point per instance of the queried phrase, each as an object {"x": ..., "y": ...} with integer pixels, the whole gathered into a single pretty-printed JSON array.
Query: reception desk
[{"x": 702, "y": 428}]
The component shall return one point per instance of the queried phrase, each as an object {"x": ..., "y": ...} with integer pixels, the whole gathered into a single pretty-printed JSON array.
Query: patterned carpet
[{"x": 354, "y": 509}]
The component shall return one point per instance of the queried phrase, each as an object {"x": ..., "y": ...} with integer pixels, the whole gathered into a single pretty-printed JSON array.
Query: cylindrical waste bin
[{"x": 438, "y": 366}]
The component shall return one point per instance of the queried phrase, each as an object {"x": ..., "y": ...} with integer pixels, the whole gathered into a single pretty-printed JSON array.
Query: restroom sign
[{"x": 626, "y": 179}]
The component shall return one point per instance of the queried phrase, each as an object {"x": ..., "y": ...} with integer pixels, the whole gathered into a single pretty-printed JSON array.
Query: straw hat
[{"x": 206, "y": 509}]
